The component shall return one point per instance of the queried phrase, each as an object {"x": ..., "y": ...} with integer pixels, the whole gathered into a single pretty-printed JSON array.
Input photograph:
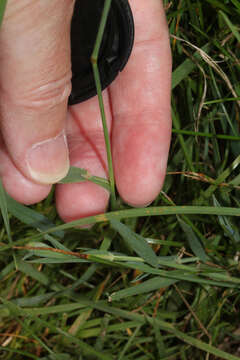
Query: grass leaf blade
[
  {"x": 147, "y": 286},
  {"x": 3, "y": 4},
  {"x": 77, "y": 175},
  {"x": 136, "y": 242},
  {"x": 30, "y": 217},
  {"x": 193, "y": 241},
  {"x": 4, "y": 211}
]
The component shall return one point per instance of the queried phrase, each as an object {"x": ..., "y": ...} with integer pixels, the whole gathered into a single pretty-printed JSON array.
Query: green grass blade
[
  {"x": 57, "y": 309},
  {"x": 145, "y": 287},
  {"x": 136, "y": 242},
  {"x": 205, "y": 278},
  {"x": 88, "y": 350},
  {"x": 52, "y": 260},
  {"x": 57, "y": 357},
  {"x": 222, "y": 177},
  {"x": 193, "y": 241},
  {"x": 4, "y": 211},
  {"x": 76, "y": 175},
  {"x": 229, "y": 229},
  {"x": 34, "y": 300},
  {"x": 150, "y": 211},
  {"x": 232, "y": 27},
  {"x": 47, "y": 253},
  {"x": 164, "y": 326},
  {"x": 3, "y": 4},
  {"x": 185, "y": 69},
  {"x": 128, "y": 344},
  {"x": 30, "y": 217},
  {"x": 106, "y": 136},
  {"x": 237, "y": 4},
  {"x": 32, "y": 272},
  {"x": 94, "y": 60},
  {"x": 219, "y": 5},
  {"x": 208, "y": 135},
  {"x": 185, "y": 149},
  {"x": 16, "y": 351}
]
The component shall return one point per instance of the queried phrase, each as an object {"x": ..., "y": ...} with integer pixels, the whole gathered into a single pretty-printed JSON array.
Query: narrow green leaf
[
  {"x": 25, "y": 325},
  {"x": 203, "y": 278},
  {"x": 219, "y": 5},
  {"x": 4, "y": 211},
  {"x": 47, "y": 253},
  {"x": 222, "y": 177},
  {"x": 57, "y": 261},
  {"x": 130, "y": 213},
  {"x": 88, "y": 350},
  {"x": 145, "y": 287},
  {"x": 97, "y": 79},
  {"x": 31, "y": 271},
  {"x": 56, "y": 244},
  {"x": 57, "y": 309},
  {"x": 34, "y": 300},
  {"x": 16, "y": 351},
  {"x": 7, "y": 269},
  {"x": 237, "y": 4},
  {"x": 77, "y": 175},
  {"x": 162, "y": 353},
  {"x": 184, "y": 69},
  {"x": 128, "y": 344},
  {"x": 162, "y": 325},
  {"x": 193, "y": 241},
  {"x": 136, "y": 242},
  {"x": 3, "y": 4},
  {"x": 229, "y": 230},
  {"x": 59, "y": 357},
  {"x": 232, "y": 27},
  {"x": 30, "y": 217},
  {"x": 204, "y": 346}
]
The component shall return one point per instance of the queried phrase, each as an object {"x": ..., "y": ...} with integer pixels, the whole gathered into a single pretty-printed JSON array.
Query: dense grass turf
[{"x": 164, "y": 282}]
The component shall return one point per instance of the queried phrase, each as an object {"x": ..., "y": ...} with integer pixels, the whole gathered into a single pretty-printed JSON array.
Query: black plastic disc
[{"x": 115, "y": 49}]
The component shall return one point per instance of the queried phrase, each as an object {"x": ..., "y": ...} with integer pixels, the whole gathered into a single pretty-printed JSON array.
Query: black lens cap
[{"x": 115, "y": 48}]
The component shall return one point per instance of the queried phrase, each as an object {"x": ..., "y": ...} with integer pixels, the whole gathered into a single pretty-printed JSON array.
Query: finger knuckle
[{"x": 46, "y": 96}]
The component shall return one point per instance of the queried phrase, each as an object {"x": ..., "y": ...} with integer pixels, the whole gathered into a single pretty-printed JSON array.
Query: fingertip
[
  {"x": 18, "y": 186},
  {"x": 23, "y": 190},
  {"x": 140, "y": 193},
  {"x": 140, "y": 156},
  {"x": 76, "y": 201},
  {"x": 27, "y": 193}
]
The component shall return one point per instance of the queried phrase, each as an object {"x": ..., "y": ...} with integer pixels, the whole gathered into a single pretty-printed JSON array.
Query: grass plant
[{"x": 155, "y": 283}]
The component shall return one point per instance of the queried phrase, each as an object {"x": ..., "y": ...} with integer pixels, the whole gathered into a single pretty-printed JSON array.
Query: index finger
[{"x": 140, "y": 99}]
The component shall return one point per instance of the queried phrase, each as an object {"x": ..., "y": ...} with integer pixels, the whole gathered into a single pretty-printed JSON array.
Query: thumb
[{"x": 35, "y": 82}]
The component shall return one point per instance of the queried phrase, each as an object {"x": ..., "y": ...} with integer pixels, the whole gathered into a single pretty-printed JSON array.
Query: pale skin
[{"x": 35, "y": 82}]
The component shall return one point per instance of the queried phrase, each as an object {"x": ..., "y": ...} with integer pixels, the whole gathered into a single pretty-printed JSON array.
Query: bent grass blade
[
  {"x": 76, "y": 175},
  {"x": 94, "y": 60}
]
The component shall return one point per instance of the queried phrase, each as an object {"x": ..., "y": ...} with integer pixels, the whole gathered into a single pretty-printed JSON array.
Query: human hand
[{"x": 35, "y": 76}]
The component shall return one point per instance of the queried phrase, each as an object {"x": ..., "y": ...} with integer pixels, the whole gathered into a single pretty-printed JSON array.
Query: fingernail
[{"x": 48, "y": 160}]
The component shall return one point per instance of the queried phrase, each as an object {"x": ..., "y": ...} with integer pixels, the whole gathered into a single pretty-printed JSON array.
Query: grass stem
[{"x": 94, "y": 60}]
